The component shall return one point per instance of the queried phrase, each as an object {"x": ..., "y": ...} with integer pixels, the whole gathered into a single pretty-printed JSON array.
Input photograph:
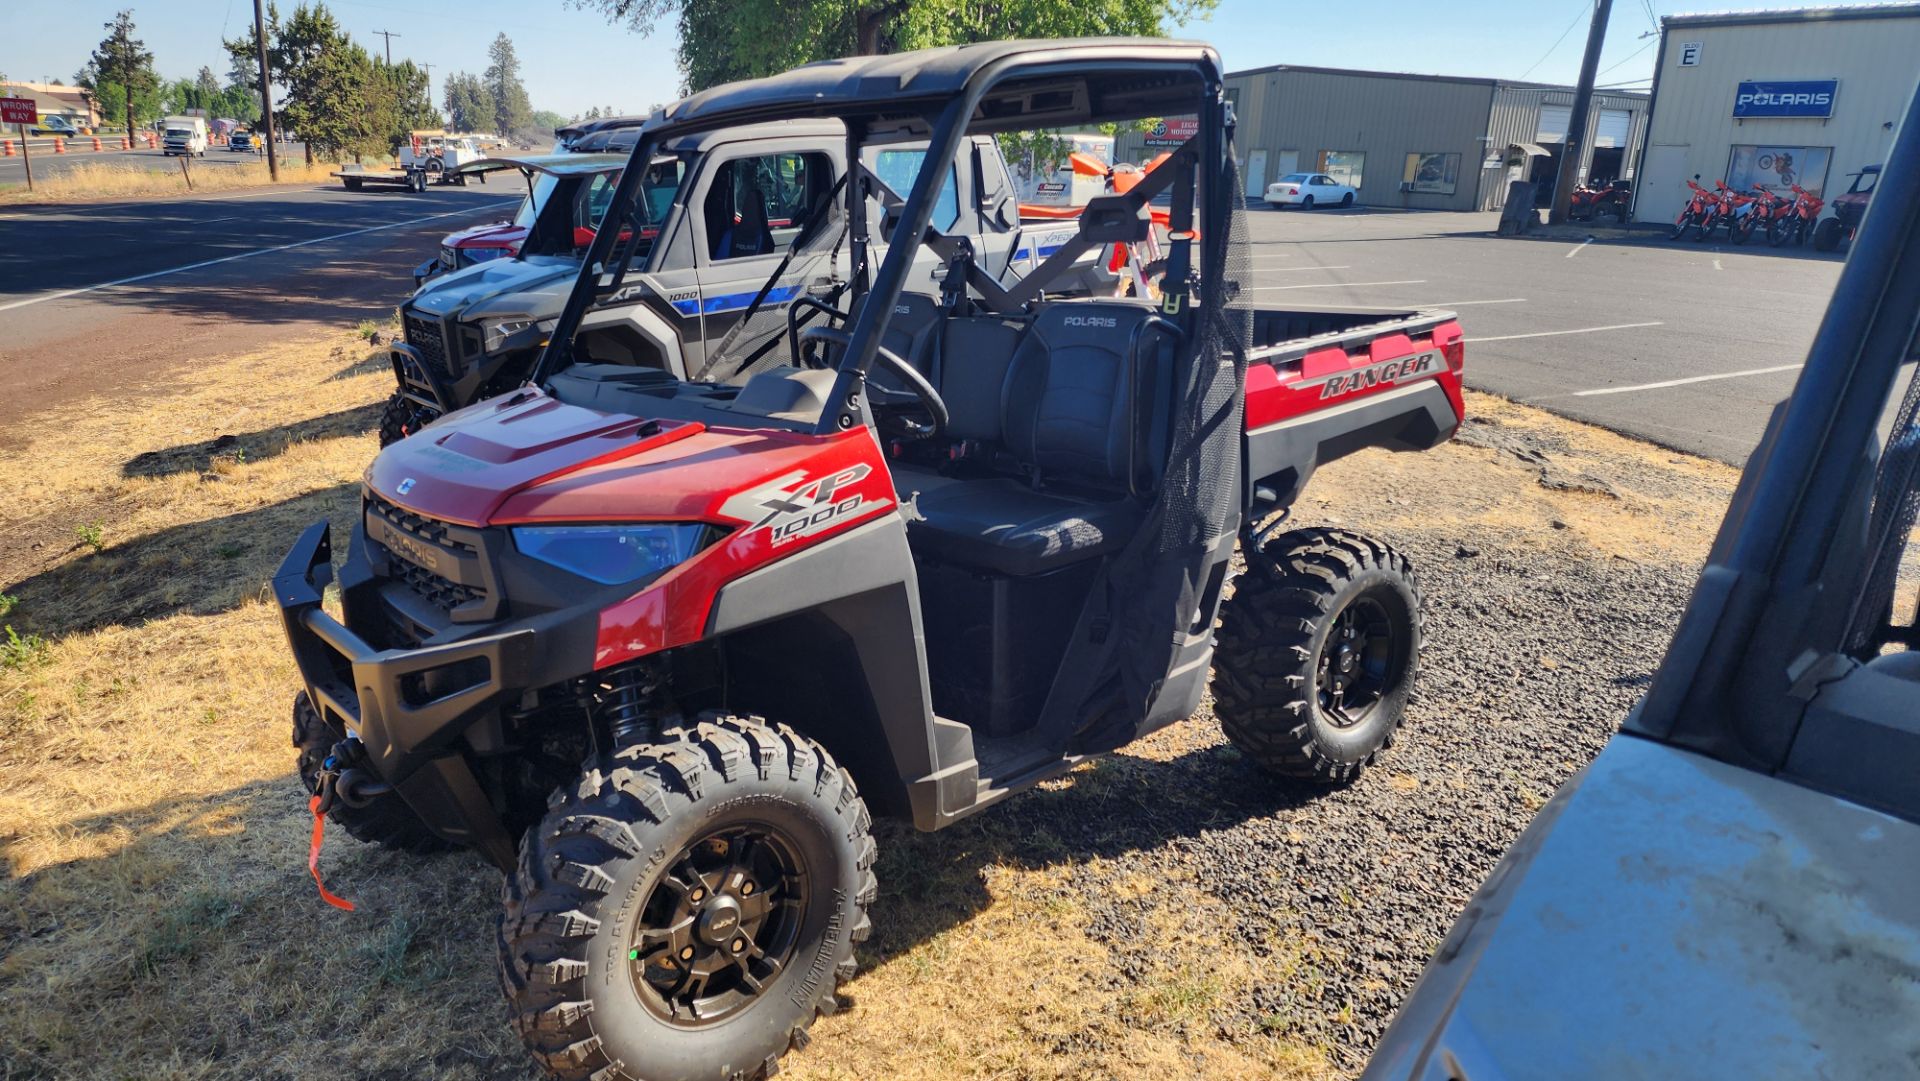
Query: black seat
[
  {"x": 913, "y": 335},
  {"x": 1067, "y": 420}
]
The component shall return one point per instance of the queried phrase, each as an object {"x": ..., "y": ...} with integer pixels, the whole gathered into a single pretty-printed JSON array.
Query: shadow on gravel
[
  {"x": 227, "y": 450},
  {"x": 1119, "y": 805},
  {"x": 198, "y": 568}
]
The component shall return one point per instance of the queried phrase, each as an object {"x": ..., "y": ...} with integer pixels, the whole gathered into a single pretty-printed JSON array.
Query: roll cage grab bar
[{"x": 948, "y": 125}]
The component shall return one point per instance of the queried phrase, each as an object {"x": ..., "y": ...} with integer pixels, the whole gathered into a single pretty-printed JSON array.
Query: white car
[{"x": 1308, "y": 190}]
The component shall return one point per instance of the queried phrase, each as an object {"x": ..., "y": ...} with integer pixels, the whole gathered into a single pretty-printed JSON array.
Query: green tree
[
  {"x": 403, "y": 104},
  {"x": 722, "y": 40},
  {"x": 330, "y": 82},
  {"x": 469, "y": 106},
  {"x": 547, "y": 120},
  {"x": 512, "y": 110},
  {"x": 121, "y": 62}
]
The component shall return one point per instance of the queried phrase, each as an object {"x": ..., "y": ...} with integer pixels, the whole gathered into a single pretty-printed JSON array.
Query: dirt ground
[{"x": 1167, "y": 912}]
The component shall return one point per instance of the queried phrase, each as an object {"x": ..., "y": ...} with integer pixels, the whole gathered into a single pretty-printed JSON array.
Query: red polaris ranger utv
[{"x": 653, "y": 645}]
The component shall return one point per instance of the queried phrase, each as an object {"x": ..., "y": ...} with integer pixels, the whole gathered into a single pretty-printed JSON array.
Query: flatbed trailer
[{"x": 412, "y": 178}]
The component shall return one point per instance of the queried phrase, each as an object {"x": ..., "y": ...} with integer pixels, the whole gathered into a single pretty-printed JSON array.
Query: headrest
[{"x": 1110, "y": 219}]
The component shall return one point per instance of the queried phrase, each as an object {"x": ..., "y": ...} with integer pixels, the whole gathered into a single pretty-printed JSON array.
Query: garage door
[
  {"x": 1613, "y": 128},
  {"x": 1553, "y": 123}
]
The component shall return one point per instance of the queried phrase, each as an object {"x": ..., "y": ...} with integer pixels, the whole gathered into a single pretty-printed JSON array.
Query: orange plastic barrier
[
  {"x": 6, "y": 148},
  {"x": 96, "y": 142},
  {"x": 59, "y": 145}
]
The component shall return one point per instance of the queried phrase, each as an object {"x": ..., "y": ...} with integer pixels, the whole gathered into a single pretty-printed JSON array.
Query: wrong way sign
[{"x": 18, "y": 111}]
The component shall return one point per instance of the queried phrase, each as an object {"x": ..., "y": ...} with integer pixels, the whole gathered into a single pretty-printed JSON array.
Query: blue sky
[{"x": 574, "y": 60}]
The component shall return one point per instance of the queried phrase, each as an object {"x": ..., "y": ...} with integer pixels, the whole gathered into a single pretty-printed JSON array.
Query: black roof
[{"x": 1112, "y": 75}]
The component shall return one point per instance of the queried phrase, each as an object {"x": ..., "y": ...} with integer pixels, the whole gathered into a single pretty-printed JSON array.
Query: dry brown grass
[
  {"x": 155, "y": 916},
  {"x": 95, "y": 180}
]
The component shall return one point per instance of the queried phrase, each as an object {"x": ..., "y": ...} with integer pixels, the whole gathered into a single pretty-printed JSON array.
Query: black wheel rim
[
  {"x": 722, "y": 922},
  {"x": 1357, "y": 663}
]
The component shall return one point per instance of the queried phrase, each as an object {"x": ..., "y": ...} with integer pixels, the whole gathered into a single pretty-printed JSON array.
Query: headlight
[
  {"x": 481, "y": 255},
  {"x": 610, "y": 554},
  {"x": 450, "y": 257},
  {"x": 497, "y": 334}
]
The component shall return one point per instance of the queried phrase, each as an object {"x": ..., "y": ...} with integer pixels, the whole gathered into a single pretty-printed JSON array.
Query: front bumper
[{"x": 412, "y": 708}]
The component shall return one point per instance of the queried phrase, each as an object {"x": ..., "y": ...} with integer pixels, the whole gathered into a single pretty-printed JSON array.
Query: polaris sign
[{"x": 1806, "y": 99}]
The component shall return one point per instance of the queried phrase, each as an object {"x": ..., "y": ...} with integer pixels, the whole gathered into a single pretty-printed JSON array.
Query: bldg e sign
[{"x": 1792, "y": 99}]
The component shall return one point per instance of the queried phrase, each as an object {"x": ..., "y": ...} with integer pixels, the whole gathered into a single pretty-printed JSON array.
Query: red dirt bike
[
  {"x": 1797, "y": 223},
  {"x": 1731, "y": 208},
  {"x": 1701, "y": 210},
  {"x": 1767, "y": 207}
]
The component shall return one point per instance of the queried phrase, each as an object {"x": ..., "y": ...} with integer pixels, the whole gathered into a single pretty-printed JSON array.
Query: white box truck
[{"x": 184, "y": 135}]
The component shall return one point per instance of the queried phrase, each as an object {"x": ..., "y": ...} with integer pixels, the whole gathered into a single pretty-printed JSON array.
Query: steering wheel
[{"x": 919, "y": 392}]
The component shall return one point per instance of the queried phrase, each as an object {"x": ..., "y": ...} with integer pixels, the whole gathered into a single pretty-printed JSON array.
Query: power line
[
  {"x": 1629, "y": 56},
  {"x": 389, "y": 35},
  {"x": 1581, "y": 14}
]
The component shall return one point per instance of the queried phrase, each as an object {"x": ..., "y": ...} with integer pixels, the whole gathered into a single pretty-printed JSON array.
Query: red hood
[
  {"x": 500, "y": 234},
  {"x": 527, "y": 457}
]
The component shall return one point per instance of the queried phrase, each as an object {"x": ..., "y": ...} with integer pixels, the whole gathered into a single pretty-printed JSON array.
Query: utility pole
[
  {"x": 266, "y": 92},
  {"x": 428, "y": 68},
  {"x": 1575, "y": 146},
  {"x": 389, "y": 35}
]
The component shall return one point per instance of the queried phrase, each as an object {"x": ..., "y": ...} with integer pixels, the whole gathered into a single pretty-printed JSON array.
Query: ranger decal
[{"x": 1383, "y": 374}]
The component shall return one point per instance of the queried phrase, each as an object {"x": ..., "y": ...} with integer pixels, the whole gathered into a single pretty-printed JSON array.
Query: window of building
[
  {"x": 1344, "y": 166},
  {"x": 1431, "y": 174},
  {"x": 756, "y": 205},
  {"x": 1779, "y": 168}
]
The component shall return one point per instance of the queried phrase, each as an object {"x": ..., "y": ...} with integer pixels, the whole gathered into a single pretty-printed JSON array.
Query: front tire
[
  {"x": 1316, "y": 653},
  {"x": 400, "y": 419},
  {"x": 1347, "y": 199},
  {"x": 688, "y": 908},
  {"x": 1307, "y": 203},
  {"x": 385, "y": 820}
]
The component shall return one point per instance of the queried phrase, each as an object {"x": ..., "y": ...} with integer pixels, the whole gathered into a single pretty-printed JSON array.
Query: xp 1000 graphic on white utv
[{"x": 655, "y": 645}]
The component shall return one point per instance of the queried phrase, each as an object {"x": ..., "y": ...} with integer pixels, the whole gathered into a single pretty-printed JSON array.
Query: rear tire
[
  {"x": 675, "y": 835},
  {"x": 386, "y": 820},
  {"x": 1827, "y": 234},
  {"x": 1307, "y": 203},
  {"x": 1279, "y": 665}
]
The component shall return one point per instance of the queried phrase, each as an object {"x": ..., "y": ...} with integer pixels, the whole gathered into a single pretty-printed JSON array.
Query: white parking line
[
  {"x": 1424, "y": 304},
  {"x": 1334, "y": 285},
  {"x": 1717, "y": 266},
  {"x": 1295, "y": 269},
  {"x": 1557, "y": 333},
  {"x": 64, "y": 293},
  {"x": 1577, "y": 247},
  {"x": 1683, "y": 382}
]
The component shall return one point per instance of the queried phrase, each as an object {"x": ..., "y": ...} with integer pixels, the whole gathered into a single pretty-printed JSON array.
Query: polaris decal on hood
[{"x": 793, "y": 506}]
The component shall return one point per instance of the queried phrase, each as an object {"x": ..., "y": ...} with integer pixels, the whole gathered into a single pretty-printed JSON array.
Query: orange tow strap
[{"x": 313, "y": 857}]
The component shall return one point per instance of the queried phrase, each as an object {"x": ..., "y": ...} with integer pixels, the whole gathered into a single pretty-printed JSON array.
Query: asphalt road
[
  {"x": 112, "y": 294},
  {"x": 1689, "y": 345},
  {"x": 1685, "y": 344},
  {"x": 47, "y": 164}
]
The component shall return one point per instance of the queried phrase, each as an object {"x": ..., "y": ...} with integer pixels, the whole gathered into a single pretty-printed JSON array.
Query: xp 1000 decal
[{"x": 794, "y": 507}]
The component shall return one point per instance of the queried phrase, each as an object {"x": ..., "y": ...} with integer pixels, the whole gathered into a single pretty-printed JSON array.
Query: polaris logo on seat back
[
  {"x": 1385, "y": 373},
  {"x": 1091, "y": 321}
]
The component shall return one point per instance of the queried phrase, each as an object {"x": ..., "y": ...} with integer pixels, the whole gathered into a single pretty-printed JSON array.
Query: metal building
[
  {"x": 1439, "y": 142},
  {"x": 1804, "y": 96}
]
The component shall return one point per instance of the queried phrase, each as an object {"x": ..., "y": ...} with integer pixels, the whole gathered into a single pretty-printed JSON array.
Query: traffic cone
[
  {"x": 96, "y": 143},
  {"x": 7, "y": 144},
  {"x": 59, "y": 145},
  {"x": 126, "y": 143}
]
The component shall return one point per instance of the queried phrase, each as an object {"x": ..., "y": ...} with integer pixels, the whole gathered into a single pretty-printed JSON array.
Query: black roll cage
[{"x": 1191, "y": 83}]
